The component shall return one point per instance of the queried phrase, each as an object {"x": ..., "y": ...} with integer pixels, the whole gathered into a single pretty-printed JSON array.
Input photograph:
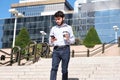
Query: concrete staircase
[{"x": 80, "y": 68}]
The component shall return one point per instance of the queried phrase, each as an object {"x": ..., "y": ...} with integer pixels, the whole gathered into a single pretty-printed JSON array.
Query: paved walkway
[
  {"x": 80, "y": 68},
  {"x": 99, "y": 67}
]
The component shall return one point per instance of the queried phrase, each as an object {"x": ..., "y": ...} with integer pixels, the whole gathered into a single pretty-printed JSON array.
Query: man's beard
[{"x": 61, "y": 23}]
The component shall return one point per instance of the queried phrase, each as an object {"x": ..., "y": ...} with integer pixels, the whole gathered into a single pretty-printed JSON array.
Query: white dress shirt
[{"x": 57, "y": 31}]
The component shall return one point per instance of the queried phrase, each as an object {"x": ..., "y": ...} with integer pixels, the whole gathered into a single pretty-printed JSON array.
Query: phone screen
[{"x": 52, "y": 36}]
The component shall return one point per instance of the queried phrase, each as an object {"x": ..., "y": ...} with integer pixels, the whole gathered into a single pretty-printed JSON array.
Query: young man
[{"x": 61, "y": 36}]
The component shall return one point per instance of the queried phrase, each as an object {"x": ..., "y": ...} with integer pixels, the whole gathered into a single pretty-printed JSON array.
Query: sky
[{"x": 5, "y": 6}]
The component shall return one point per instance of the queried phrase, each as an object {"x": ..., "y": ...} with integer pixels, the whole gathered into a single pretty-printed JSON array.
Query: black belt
[{"x": 65, "y": 46}]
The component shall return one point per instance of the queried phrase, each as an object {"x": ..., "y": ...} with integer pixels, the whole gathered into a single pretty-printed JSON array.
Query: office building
[
  {"x": 42, "y": 7},
  {"x": 38, "y": 16},
  {"x": 101, "y": 14}
]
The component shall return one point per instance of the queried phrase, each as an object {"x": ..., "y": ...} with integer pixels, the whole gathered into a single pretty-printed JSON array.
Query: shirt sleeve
[
  {"x": 72, "y": 37},
  {"x": 51, "y": 33}
]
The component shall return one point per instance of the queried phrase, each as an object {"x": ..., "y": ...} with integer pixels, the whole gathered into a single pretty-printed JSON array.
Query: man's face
[{"x": 59, "y": 20}]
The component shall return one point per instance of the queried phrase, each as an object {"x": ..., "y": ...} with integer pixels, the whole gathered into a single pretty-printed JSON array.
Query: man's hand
[
  {"x": 53, "y": 39},
  {"x": 66, "y": 36}
]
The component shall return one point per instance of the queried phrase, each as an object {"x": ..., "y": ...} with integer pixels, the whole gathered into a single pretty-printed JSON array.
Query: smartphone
[{"x": 52, "y": 36}]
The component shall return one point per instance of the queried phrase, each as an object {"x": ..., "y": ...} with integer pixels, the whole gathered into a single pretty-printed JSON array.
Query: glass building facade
[
  {"x": 104, "y": 22},
  {"x": 33, "y": 24},
  {"x": 37, "y": 18},
  {"x": 102, "y": 15},
  {"x": 40, "y": 8}
]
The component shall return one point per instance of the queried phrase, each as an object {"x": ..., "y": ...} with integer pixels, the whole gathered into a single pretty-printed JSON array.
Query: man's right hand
[{"x": 53, "y": 39}]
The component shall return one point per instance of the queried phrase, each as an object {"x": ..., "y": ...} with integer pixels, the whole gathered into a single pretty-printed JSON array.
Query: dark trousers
[{"x": 60, "y": 54}]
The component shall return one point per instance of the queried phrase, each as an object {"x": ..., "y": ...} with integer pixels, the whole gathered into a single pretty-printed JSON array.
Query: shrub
[
  {"x": 22, "y": 39},
  {"x": 91, "y": 38}
]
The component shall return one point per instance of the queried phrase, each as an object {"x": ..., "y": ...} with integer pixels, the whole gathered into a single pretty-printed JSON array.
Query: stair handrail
[
  {"x": 101, "y": 48},
  {"x": 96, "y": 50},
  {"x": 34, "y": 53},
  {"x": 45, "y": 52},
  {"x": 28, "y": 55},
  {"x": 4, "y": 52},
  {"x": 15, "y": 50}
]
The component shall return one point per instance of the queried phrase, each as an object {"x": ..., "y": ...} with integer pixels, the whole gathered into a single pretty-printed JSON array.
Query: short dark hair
[{"x": 59, "y": 14}]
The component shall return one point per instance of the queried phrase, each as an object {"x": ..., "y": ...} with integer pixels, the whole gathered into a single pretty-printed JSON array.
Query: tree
[
  {"x": 91, "y": 38},
  {"x": 22, "y": 38}
]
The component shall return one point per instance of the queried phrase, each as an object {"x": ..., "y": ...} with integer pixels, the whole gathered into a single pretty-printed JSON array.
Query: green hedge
[
  {"x": 22, "y": 39},
  {"x": 91, "y": 38}
]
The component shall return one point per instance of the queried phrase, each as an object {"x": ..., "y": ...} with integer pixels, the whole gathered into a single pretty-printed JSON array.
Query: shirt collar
[{"x": 63, "y": 25}]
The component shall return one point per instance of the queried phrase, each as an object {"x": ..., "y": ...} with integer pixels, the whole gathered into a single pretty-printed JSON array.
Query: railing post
[
  {"x": 19, "y": 56},
  {"x": 103, "y": 47},
  {"x": 73, "y": 53},
  {"x": 11, "y": 57},
  {"x": 35, "y": 50},
  {"x": 88, "y": 52},
  {"x": 48, "y": 50},
  {"x": 45, "y": 50}
]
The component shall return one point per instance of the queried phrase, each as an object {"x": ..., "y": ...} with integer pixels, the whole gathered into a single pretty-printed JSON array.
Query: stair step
[{"x": 92, "y": 68}]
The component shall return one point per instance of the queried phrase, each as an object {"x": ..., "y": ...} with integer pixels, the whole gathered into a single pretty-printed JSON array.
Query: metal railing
[
  {"x": 32, "y": 52},
  {"x": 16, "y": 51},
  {"x": 95, "y": 51},
  {"x": 36, "y": 50}
]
